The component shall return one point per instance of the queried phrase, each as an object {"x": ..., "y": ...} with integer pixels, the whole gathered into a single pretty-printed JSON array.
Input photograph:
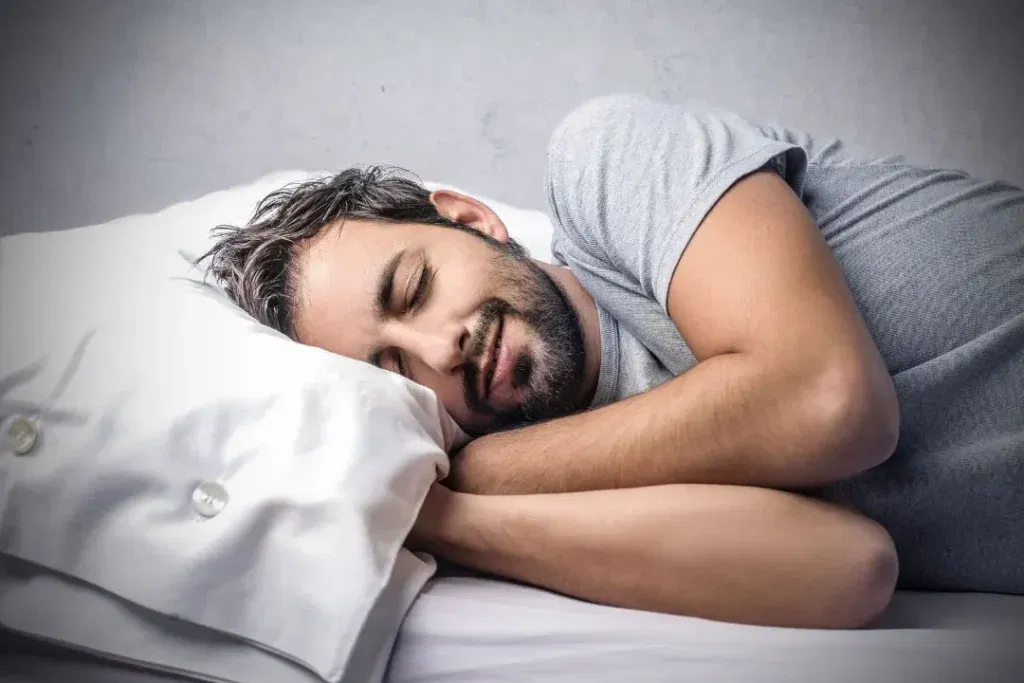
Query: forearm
[
  {"x": 727, "y": 553},
  {"x": 731, "y": 419}
]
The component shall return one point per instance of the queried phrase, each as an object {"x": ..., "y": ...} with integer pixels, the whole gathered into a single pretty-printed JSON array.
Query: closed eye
[
  {"x": 403, "y": 369},
  {"x": 420, "y": 294}
]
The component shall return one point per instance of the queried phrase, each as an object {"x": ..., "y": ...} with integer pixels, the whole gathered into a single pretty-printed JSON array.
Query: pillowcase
[{"x": 184, "y": 489}]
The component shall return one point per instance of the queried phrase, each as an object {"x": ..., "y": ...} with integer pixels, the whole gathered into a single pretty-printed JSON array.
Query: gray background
[{"x": 114, "y": 107}]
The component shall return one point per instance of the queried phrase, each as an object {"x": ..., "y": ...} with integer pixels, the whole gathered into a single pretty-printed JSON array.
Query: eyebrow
[{"x": 385, "y": 285}]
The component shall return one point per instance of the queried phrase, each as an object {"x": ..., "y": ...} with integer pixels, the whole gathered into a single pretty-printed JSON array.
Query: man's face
[{"x": 466, "y": 315}]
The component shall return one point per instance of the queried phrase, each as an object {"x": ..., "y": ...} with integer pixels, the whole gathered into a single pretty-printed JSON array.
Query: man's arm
[
  {"x": 729, "y": 553},
  {"x": 789, "y": 390}
]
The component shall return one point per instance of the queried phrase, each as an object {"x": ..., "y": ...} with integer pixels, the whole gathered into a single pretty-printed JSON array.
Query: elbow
[
  {"x": 871, "y": 582},
  {"x": 856, "y": 416}
]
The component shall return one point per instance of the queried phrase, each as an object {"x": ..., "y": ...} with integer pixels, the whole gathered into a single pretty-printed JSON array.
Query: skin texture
[{"x": 661, "y": 501}]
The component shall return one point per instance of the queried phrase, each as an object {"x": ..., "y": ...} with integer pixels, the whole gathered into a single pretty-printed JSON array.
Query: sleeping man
[{"x": 767, "y": 382}]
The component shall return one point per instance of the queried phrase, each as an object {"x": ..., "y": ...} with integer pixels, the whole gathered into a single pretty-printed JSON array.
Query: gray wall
[{"x": 113, "y": 107}]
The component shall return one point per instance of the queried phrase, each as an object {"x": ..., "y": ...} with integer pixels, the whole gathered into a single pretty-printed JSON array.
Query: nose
[{"x": 442, "y": 348}]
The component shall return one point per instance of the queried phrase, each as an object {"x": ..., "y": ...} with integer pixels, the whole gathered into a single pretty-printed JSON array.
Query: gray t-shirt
[{"x": 934, "y": 258}]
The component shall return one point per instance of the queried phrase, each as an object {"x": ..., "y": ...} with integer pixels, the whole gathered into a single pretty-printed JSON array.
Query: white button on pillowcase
[
  {"x": 22, "y": 434},
  {"x": 209, "y": 498}
]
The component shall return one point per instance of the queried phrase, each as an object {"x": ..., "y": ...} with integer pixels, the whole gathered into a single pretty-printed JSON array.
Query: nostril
[{"x": 464, "y": 341}]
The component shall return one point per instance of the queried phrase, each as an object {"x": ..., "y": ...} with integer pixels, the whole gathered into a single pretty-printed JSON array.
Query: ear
[{"x": 464, "y": 209}]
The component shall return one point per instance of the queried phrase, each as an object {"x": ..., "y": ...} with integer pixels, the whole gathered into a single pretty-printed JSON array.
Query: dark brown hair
[{"x": 254, "y": 262}]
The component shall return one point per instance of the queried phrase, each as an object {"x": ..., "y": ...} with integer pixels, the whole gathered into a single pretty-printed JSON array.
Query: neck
[{"x": 586, "y": 309}]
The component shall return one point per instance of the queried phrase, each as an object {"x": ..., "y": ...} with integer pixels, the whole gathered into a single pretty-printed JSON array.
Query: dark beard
[{"x": 553, "y": 380}]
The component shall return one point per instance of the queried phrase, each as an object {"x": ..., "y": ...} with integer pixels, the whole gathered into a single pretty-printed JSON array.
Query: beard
[{"x": 551, "y": 368}]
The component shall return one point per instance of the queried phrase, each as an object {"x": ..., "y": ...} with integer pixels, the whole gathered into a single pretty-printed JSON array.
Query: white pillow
[{"x": 200, "y": 494}]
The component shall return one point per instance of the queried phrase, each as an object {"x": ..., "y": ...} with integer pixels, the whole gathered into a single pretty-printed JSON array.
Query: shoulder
[
  {"x": 629, "y": 179},
  {"x": 612, "y": 156},
  {"x": 580, "y": 150},
  {"x": 622, "y": 142},
  {"x": 600, "y": 129},
  {"x": 619, "y": 117},
  {"x": 595, "y": 119},
  {"x": 598, "y": 148}
]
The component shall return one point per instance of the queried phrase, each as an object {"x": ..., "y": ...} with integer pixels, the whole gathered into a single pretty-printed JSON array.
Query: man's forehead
[
  {"x": 352, "y": 234},
  {"x": 335, "y": 276},
  {"x": 339, "y": 273},
  {"x": 352, "y": 248}
]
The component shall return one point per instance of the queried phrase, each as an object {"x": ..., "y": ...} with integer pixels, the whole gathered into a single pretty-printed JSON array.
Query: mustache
[{"x": 490, "y": 313}]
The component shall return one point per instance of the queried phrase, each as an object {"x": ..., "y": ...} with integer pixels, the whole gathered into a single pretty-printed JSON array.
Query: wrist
[{"x": 449, "y": 523}]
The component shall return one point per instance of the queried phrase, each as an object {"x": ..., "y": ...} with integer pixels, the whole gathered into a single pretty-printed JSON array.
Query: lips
[{"x": 490, "y": 361}]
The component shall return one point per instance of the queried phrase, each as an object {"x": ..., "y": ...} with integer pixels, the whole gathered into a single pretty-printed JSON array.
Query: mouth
[{"x": 490, "y": 360}]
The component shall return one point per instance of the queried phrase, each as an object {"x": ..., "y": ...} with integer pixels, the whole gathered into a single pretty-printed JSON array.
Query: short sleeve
[{"x": 629, "y": 181}]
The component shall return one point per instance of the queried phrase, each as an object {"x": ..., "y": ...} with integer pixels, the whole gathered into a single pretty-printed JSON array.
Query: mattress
[
  {"x": 476, "y": 630},
  {"x": 467, "y": 629}
]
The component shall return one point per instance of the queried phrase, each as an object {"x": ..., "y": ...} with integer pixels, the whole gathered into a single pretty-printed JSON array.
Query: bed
[{"x": 469, "y": 629}]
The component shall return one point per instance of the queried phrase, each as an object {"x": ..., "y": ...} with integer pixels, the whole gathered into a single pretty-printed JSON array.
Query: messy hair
[{"x": 254, "y": 263}]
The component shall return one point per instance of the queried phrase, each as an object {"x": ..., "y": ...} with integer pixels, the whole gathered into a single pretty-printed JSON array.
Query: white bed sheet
[
  {"x": 477, "y": 630},
  {"x": 474, "y": 630}
]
